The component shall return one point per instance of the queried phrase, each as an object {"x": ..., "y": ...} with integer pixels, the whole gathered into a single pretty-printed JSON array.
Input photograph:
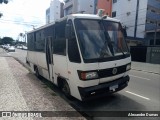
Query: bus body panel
[
  {"x": 69, "y": 71},
  {"x": 38, "y": 58},
  {"x": 113, "y": 64},
  {"x": 60, "y": 67}
]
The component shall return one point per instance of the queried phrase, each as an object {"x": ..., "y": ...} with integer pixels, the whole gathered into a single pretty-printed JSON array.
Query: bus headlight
[
  {"x": 128, "y": 67},
  {"x": 88, "y": 75}
]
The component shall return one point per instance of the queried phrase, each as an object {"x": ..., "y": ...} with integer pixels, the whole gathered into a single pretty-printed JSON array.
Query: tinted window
[
  {"x": 30, "y": 41},
  {"x": 59, "y": 43},
  {"x": 40, "y": 41},
  {"x": 73, "y": 52},
  {"x": 100, "y": 39},
  {"x": 114, "y": 14}
]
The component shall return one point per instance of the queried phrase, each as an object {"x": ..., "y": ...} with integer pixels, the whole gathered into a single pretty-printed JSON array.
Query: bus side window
[
  {"x": 59, "y": 43},
  {"x": 73, "y": 52}
]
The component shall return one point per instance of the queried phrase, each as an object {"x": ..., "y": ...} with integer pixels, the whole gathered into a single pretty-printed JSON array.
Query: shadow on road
[{"x": 114, "y": 102}]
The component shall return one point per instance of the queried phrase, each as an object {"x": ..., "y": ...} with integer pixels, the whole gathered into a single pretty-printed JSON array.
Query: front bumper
[
  {"x": 11, "y": 50},
  {"x": 103, "y": 89}
]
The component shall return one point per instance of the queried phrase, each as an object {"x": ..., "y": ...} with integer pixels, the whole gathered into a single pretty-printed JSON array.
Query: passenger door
[{"x": 49, "y": 57}]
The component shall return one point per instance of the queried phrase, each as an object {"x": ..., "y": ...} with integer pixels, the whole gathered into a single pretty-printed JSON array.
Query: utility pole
[
  {"x": 136, "y": 19},
  {"x": 155, "y": 35}
]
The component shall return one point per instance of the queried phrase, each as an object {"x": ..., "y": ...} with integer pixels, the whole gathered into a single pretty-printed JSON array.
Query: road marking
[
  {"x": 139, "y": 77},
  {"x": 137, "y": 95},
  {"x": 13, "y": 52}
]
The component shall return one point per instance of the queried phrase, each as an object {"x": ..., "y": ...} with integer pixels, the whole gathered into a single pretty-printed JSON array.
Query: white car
[
  {"x": 24, "y": 47},
  {"x": 19, "y": 47},
  {"x": 11, "y": 49}
]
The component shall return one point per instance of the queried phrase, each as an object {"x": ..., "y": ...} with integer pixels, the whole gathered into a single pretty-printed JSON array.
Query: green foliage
[
  {"x": 3, "y": 1},
  {"x": 1, "y": 15},
  {"x": 6, "y": 40}
]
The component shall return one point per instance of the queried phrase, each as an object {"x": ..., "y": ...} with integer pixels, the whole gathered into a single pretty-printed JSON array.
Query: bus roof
[
  {"x": 92, "y": 16},
  {"x": 72, "y": 16}
]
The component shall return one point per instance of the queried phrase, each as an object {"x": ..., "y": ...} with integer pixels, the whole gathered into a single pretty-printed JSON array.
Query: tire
[
  {"x": 37, "y": 72},
  {"x": 66, "y": 89}
]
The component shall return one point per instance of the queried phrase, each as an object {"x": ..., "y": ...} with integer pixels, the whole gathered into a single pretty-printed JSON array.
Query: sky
[{"x": 19, "y": 16}]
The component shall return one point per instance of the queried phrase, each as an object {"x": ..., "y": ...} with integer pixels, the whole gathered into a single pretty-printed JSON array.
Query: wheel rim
[
  {"x": 66, "y": 89},
  {"x": 37, "y": 73}
]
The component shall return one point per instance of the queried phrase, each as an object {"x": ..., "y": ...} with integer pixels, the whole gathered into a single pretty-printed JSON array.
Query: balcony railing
[
  {"x": 154, "y": 3},
  {"x": 68, "y": 4},
  {"x": 153, "y": 16},
  {"x": 150, "y": 26}
]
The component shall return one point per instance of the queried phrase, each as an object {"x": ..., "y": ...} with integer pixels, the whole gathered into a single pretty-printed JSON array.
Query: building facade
[
  {"x": 106, "y": 5},
  {"x": 152, "y": 27},
  {"x": 54, "y": 12},
  {"x": 79, "y": 6},
  {"x": 141, "y": 18}
]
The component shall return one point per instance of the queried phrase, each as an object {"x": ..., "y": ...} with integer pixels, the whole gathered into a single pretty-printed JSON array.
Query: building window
[
  {"x": 153, "y": 11},
  {"x": 114, "y": 1},
  {"x": 114, "y": 14}
]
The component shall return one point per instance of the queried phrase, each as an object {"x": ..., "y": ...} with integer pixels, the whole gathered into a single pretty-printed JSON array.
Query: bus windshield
[{"x": 100, "y": 38}]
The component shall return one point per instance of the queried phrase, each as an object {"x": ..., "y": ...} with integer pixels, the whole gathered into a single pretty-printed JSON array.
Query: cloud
[{"x": 20, "y": 15}]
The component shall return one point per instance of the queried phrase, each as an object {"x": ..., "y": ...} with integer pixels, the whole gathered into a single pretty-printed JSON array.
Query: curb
[
  {"x": 146, "y": 71},
  {"x": 83, "y": 114},
  {"x": 25, "y": 65}
]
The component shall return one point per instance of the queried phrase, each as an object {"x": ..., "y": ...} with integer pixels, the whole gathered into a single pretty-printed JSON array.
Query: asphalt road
[{"x": 142, "y": 94}]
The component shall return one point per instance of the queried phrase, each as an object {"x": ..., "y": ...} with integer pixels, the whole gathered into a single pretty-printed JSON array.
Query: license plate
[{"x": 113, "y": 87}]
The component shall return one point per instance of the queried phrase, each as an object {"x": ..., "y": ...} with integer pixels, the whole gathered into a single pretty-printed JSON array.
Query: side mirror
[
  {"x": 68, "y": 31},
  {"x": 124, "y": 31}
]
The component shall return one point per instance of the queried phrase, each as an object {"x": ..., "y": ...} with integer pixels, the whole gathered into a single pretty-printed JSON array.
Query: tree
[
  {"x": 3, "y": 1},
  {"x": 0, "y": 41},
  {"x": 1, "y": 15},
  {"x": 7, "y": 40}
]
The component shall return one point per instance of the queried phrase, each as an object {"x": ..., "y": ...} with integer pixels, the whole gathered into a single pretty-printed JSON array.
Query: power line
[
  {"x": 18, "y": 14},
  {"x": 20, "y": 22}
]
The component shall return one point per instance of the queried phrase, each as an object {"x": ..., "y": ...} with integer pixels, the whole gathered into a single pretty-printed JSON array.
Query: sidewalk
[
  {"x": 22, "y": 91},
  {"x": 146, "y": 67}
]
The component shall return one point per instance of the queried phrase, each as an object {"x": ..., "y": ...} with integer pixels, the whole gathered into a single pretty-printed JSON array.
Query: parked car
[
  {"x": 24, "y": 47},
  {"x": 6, "y": 47},
  {"x": 19, "y": 47},
  {"x": 11, "y": 49}
]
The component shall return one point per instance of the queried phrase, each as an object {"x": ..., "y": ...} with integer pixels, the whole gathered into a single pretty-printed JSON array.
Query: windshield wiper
[
  {"x": 118, "y": 48},
  {"x": 106, "y": 51}
]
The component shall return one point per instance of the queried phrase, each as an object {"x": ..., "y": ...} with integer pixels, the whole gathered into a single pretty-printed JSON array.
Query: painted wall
[
  {"x": 48, "y": 15},
  {"x": 77, "y": 6},
  {"x": 85, "y": 5},
  {"x": 54, "y": 11},
  {"x": 126, "y": 12},
  {"x": 106, "y": 5}
]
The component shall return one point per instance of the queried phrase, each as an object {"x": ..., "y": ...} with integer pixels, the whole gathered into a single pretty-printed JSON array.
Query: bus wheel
[
  {"x": 37, "y": 72},
  {"x": 66, "y": 89}
]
